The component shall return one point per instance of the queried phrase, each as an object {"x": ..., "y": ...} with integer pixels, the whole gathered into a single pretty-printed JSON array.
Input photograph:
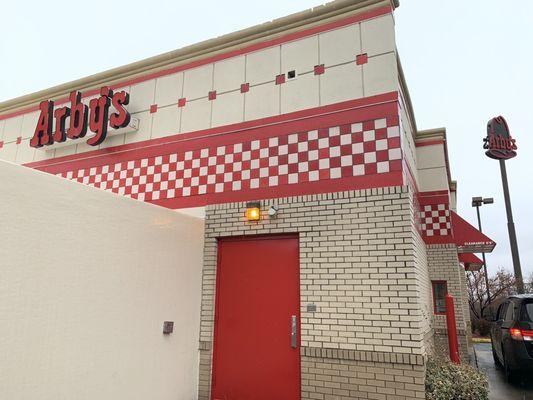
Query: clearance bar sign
[{"x": 74, "y": 122}]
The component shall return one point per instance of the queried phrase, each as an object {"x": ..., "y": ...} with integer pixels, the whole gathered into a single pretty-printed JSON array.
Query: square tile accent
[
  {"x": 182, "y": 102},
  {"x": 212, "y": 95},
  {"x": 245, "y": 87},
  {"x": 435, "y": 220},
  {"x": 280, "y": 79},
  {"x": 330, "y": 153},
  {"x": 153, "y": 108},
  {"x": 361, "y": 59},
  {"x": 319, "y": 69}
]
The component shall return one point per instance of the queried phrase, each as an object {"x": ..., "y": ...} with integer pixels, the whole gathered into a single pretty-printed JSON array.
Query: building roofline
[
  {"x": 407, "y": 97},
  {"x": 268, "y": 30}
]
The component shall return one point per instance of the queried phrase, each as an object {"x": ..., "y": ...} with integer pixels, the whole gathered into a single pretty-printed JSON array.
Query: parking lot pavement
[{"x": 498, "y": 386}]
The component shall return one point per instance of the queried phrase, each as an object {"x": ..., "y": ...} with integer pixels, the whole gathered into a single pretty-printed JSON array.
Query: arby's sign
[
  {"x": 74, "y": 122},
  {"x": 499, "y": 144}
]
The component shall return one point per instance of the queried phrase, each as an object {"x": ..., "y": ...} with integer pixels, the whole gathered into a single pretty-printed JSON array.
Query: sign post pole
[
  {"x": 483, "y": 255},
  {"x": 500, "y": 145},
  {"x": 512, "y": 232}
]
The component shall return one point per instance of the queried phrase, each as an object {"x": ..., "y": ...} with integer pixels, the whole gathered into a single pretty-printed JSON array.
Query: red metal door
[{"x": 256, "y": 352}]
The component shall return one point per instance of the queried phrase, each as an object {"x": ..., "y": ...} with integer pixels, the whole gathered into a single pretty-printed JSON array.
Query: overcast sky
[{"x": 465, "y": 62}]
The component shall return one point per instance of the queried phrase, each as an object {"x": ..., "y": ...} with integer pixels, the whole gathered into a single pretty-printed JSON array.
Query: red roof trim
[{"x": 470, "y": 261}]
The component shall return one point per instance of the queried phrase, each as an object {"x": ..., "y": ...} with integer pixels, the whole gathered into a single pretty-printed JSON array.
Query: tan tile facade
[{"x": 362, "y": 264}]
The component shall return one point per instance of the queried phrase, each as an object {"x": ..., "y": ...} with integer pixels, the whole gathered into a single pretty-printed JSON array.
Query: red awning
[
  {"x": 468, "y": 239},
  {"x": 470, "y": 261}
]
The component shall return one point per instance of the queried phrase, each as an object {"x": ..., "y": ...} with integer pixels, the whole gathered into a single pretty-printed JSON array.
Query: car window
[
  {"x": 502, "y": 310},
  {"x": 509, "y": 314},
  {"x": 526, "y": 313}
]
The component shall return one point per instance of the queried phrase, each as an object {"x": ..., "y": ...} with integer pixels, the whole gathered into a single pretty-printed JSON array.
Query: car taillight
[{"x": 521, "y": 334}]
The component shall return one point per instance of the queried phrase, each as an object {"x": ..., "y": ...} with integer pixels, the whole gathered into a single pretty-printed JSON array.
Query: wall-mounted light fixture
[
  {"x": 273, "y": 211},
  {"x": 253, "y": 211}
]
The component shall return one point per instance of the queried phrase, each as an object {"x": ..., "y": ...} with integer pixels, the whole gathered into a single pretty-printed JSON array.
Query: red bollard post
[{"x": 452, "y": 330}]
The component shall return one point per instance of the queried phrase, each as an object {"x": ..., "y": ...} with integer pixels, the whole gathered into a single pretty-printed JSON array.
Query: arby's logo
[
  {"x": 75, "y": 121},
  {"x": 499, "y": 143}
]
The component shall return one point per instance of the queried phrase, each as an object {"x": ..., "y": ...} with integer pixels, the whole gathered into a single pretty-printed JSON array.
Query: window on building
[{"x": 439, "y": 292}]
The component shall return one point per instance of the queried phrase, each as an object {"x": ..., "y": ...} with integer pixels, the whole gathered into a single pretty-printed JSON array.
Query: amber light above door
[{"x": 253, "y": 212}]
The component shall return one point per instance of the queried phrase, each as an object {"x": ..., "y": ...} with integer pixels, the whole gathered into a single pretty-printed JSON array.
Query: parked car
[{"x": 512, "y": 336}]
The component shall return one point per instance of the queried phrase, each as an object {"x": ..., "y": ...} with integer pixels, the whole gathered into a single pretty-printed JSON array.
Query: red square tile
[
  {"x": 319, "y": 69},
  {"x": 182, "y": 102},
  {"x": 371, "y": 169},
  {"x": 361, "y": 59},
  {"x": 153, "y": 108},
  {"x": 212, "y": 95},
  {"x": 19, "y": 140},
  {"x": 245, "y": 87},
  {"x": 1, "y": 144},
  {"x": 280, "y": 79}
]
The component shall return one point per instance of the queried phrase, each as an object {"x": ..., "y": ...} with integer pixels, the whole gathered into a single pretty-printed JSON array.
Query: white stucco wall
[
  {"x": 86, "y": 280},
  {"x": 431, "y": 164}
]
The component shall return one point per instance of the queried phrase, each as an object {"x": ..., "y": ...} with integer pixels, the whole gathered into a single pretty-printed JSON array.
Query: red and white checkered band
[
  {"x": 436, "y": 220},
  {"x": 364, "y": 148}
]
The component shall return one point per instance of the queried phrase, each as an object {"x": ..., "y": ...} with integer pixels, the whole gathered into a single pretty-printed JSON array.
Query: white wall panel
[
  {"x": 12, "y": 128},
  {"x": 88, "y": 278},
  {"x": 300, "y": 93},
  {"x": 25, "y": 153},
  {"x": 377, "y": 35},
  {"x": 8, "y": 152},
  {"x": 228, "y": 108},
  {"x": 229, "y": 74},
  {"x": 29, "y": 123},
  {"x": 145, "y": 128},
  {"x": 198, "y": 82},
  {"x": 142, "y": 96},
  {"x": 300, "y": 55},
  {"x": 341, "y": 83},
  {"x": 112, "y": 141},
  {"x": 380, "y": 75},
  {"x": 263, "y": 65},
  {"x": 168, "y": 89},
  {"x": 340, "y": 45},
  {"x": 196, "y": 115},
  {"x": 430, "y": 156},
  {"x": 41, "y": 155},
  {"x": 432, "y": 179},
  {"x": 166, "y": 121},
  {"x": 262, "y": 101}
]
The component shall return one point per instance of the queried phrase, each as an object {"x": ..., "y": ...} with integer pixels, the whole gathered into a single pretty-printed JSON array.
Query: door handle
[{"x": 294, "y": 332}]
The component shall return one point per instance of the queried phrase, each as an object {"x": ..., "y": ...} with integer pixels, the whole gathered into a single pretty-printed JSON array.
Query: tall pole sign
[{"x": 500, "y": 145}]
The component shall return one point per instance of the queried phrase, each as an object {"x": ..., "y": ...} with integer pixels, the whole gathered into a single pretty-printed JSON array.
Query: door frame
[{"x": 244, "y": 238}]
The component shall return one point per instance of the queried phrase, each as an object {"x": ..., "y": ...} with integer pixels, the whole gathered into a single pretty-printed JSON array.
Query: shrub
[
  {"x": 448, "y": 381},
  {"x": 481, "y": 327}
]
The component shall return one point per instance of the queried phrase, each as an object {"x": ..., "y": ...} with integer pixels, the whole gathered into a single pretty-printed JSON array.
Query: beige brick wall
[
  {"x": 425, "y": 291},
  {"x": 330, "y": 378},
  {"x": 361, "y": 264},
  {"x": 444, "y": 265}
]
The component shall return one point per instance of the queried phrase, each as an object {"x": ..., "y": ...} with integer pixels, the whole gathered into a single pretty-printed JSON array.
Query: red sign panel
[
  {"x": 499, "y": 143},
  {"x": 81, "y": 118}
]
